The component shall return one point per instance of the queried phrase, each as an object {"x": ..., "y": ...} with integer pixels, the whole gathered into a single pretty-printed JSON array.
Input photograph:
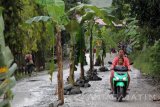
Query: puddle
[
  {"x": 46, "y": 87},
  {"x": 34, "y": 80}
]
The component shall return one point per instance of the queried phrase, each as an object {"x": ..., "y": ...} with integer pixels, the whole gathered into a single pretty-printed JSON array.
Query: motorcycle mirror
[
  {"x": 109, "y": 62},
  {"x": 131, "y": 63}
]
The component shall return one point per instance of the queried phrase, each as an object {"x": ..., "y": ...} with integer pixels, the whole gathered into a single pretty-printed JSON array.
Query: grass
[
  {"x": 142, "y": 62},
  {"x": 20, "y": 76}
]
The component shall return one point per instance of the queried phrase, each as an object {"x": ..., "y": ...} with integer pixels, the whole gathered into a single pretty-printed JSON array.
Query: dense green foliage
[
  {"x": 72, "y": 3},
  {"x": 139, "y": 26},
  {"x": 7, "y": 80},
  {"x": 23, "y": 38},
  {"x": 15, "y": 14},
  {"x": 142, "y": 30}
]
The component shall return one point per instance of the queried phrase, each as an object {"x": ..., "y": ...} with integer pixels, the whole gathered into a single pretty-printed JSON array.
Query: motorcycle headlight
[
  {"x": 124, "y": 79},
  {"x": 117, "y": 78}
]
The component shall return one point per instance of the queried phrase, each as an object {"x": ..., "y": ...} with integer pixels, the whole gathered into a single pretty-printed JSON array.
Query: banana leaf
[
  {"x": 37, "y": 19},
  {"x": 6, "y": 85},
  {"x": 8, "y": 56},
  {"x": 6, "y": 59},
  {"x": 2, "y": 43}
]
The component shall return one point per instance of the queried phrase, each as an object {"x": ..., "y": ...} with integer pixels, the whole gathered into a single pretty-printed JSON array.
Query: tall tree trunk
[
  {"x": 60, "y": 66},
  {"x": 82, "y": 70},
  {"x": 93, "y": 58},
  {"x": 37, "y": 60},
  {"x": 98, "y": 61},
  {"x": 102, "y": 61},
  {"x": 82, "y": 52},
  {"x": 72, "y": 65},
  {"x": 91, "y": 49}
]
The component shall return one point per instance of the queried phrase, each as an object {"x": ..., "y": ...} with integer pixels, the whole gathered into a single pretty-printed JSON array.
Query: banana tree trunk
[
  {"x": 82, "y": 52},
  {"x": 91, "y": 50},
  {"x": 60, "y": 66},
  {"x": 93, "y": 58},
  {"x": 72, "y": 65},
  {"x": 98, "y": 61},
  {"x": 82, "y": 70},
  {"x": 82, "y": 63},
  {"x": 102, "y": 61}
]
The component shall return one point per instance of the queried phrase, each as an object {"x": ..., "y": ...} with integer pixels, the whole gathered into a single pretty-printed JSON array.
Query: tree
[
  {"x": 73, "y": 28},
  {"x": 56, "y": 11},
  {"x": 87, "y": 14},
  {"x": 20, "y": 37},
  {"x": 143, "y": 31},
  {"x": 82, "y": 49},
  {"x": 77, "y": 40},
  {"x": 7, "y": 80}
]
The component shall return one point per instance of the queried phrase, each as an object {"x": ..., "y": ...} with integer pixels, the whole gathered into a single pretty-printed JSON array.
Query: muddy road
[{"x": 39, "y": 91}]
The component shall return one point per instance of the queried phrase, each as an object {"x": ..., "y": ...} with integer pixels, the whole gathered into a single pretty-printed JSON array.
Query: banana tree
[
  {"x": 77, "y": 39},
  {"x": 102, "y": 42},
  {"x": 88, "y": 14},
  {"x": 56, "y": 11},
  {"x": 82, "y": 47},
  {"x": 7, "y": 80},
  {"x": 73, "y": 28},
  {"x": 97, "y": 43}
]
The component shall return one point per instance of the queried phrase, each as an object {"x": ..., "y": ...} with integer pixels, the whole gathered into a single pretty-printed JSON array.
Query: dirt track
[{"x": 39, "y": 92}]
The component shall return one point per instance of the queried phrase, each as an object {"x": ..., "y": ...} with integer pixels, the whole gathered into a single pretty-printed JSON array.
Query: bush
[
  {"x": 142, "y": 61},
  {"x": 155, "y": 58},
  {"x": 148, "y": 61}
]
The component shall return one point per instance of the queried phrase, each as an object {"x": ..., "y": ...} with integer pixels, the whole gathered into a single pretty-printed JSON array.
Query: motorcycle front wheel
[{"x": 120, "y": 93}]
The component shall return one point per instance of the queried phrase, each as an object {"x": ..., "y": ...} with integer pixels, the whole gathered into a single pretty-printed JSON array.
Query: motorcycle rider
[
  {"x": 119, "y": 60},
  {"x": 29, "y": 62}
]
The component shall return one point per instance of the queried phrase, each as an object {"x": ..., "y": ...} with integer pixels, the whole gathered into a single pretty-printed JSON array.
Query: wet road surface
[{"x": 39, "y": 92}]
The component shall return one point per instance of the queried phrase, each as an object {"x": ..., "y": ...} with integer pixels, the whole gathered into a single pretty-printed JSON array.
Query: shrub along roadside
[{"x": 148, "y": 61}]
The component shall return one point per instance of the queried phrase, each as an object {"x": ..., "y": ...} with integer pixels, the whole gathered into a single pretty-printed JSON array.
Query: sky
[{"x": 101, "y": 3}]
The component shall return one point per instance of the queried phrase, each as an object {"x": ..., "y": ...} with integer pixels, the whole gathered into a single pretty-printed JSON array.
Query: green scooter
[{"x": 120, "y": 82}]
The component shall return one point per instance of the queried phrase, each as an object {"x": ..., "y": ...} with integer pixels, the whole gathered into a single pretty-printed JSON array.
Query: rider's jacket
[{"x": 125, "y": 63}]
